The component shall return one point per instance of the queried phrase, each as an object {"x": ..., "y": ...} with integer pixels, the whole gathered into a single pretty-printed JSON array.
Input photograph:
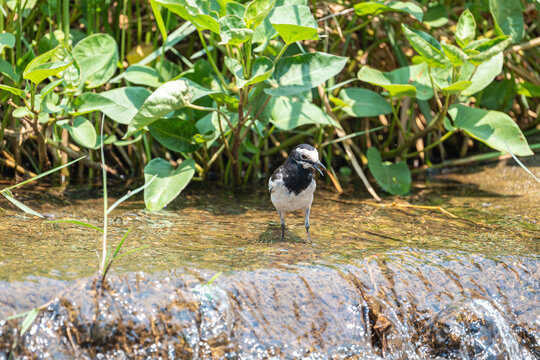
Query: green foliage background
[{"x": 219, "y": 90}]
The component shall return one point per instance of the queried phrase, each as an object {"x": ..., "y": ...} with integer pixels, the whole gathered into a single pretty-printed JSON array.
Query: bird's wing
[{"x": 276, "y": 176}]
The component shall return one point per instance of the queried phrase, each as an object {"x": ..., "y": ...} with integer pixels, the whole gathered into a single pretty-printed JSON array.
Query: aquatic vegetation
[{"x": 221, "y": 94}]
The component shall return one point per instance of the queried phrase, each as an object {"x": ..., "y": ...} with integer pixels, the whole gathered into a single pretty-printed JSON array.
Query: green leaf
[
  {"x": 126, "y": 102},
  {"x": 528, "y": 89},
  {"x": 42, "y": 67},
  {"x": 465, "y": 29},
  {"x": 208, "y": 125},
  {"x": 289, "y": 113},
  {"x": 48, "y": 172},
  {"x": 175, "y": 134},
  {"x": 26, "y": 5},
  {"x": 483, "y": 76},
  {"x": 20, "y": 93},
  {"x": 412, "y": 81},
  {"x": 456, "y": 88},
  {"x": 168, "y": 184},
  {"x": 495, "y": 129},
  {"x": 263, "y": 68},
  {"x": 296, "y": 74},
  {"x": 76, "y": 222},
  {"x": 294, "y": 23},
  {"x": 508, "y": 16},
  {"x": 426, "y": 46},
  {"x": 168, "y": 97},
  {"x": 29, "y": 320},
  {"x": 489, "y": 49},
  {"x": 19, "y": 204},
  {"x": 233, "y": 30},
  {"x": 43, "y": 71},
  {"x": 436, "y": 14},
  {"x": 142, "y": 75},
  {"x": 363, "y": 102},
  {"x": 6, "y": 40},
  {"x": 394, "y": 178},
  {"x": 236, "y": 9},
  {"x": 456, "y": 55},
  {"x": 376, "y": 8},
  {"x": 97, "y": 57},
  {"x": 83, "y": 132},
  {"x": 6, "y": 69},
  {"x": 198, "y": 13},
  {"x": 159, "y": 19},
  {"x": 257, "y": 11}
]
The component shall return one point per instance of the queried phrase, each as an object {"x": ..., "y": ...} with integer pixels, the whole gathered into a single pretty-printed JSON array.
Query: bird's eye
[{"x": 303, "y": 156}]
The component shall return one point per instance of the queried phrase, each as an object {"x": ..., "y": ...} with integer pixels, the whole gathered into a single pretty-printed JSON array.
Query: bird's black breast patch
[{"x": 295, "y": 177}]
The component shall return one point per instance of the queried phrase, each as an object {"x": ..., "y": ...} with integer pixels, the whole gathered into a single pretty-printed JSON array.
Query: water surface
[{"x": 377, "y": 281}]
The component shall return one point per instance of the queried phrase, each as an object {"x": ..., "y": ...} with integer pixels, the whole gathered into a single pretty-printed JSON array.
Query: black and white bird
[{"x": 292, "y": 184}]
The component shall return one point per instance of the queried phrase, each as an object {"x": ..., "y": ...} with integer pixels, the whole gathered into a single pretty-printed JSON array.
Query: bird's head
[{"x": 307, "y": 156}]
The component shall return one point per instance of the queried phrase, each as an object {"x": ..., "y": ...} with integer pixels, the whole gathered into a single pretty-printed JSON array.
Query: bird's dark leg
[
  {"x": 306, "y": 222},
  {"x": 282, "y": 218}
]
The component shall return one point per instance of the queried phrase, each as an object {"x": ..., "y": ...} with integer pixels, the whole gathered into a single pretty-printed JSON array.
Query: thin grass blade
[
  {"x": 130, "y": 194},
  {"x": 29, "y": 320},
  {"x": 521, "y": 164},
  {"x": 43, "y": 174},
  {"x": 76, "y": 222},
  {"x": 21, "y": 206},
  {"x": 352, "y": 135}
]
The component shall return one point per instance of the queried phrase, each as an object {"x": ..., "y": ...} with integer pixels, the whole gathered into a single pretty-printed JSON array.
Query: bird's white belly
[{"x": 287, "y": 202}]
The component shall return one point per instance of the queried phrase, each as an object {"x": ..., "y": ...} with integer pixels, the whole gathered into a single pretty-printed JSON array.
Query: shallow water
[{"x": 377, "y": 281}]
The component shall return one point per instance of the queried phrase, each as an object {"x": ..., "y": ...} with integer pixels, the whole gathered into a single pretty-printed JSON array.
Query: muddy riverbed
[{"x": 378, "y": 280}]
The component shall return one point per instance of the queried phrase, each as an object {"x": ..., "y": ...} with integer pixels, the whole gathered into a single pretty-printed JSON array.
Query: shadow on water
[{"x": 376, "y": 282}]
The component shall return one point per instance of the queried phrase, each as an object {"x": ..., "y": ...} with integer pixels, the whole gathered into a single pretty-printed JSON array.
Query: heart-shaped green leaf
[
  {"x": 456, "y": 56},
  {"x": 294, "y": 23},
  {"x": 465, "y": 29},
  {"x": 412, "y": 81},
  {"x": 394, "y": 178},
  {"x": 199, "y": 13},
  {"x": 426, "y": 46},
  {"x": 168, "y": 183},
  {"x": 296, "y": 74},
  {"x": 142, "y": 75},
  {"x": 43, "y": 71},
  {"x": 257, "y": 11},
  {"x": 508, "y": 16},
  {"x": 363, "y": 102},
  {"x": 489, "y": 49},
  {"x": 120, "y": 104},
  {"x": 168, "y": 97},
  {"x": 83, "y": 132},
  {"x": 174, "y": 134},
  {"x": 126, "y": 102},
  {"x": 263, "y": 68},
  {"x": 7, "y": 70},
  {"x": 97, "y": 57},
  {"x": 233, "y": 30},
  {"x": 494, "y": 128},
  {"x": 483, "y": 76},
  {"x": 6, "y": 40},
  {"x": 376, "y": 8},
  {"x": 289, "y": 113},
  {"x": 456, "y": 87}
]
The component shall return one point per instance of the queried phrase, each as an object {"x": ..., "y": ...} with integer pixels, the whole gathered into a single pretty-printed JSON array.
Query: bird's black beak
[{"x": 319, "y": 166}]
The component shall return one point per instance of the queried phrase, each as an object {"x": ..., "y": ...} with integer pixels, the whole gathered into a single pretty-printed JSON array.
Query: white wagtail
[{"x": 292, "y": 184}]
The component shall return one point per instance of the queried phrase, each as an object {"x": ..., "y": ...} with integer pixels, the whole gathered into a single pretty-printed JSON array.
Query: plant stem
[
  {"x": 211, "y": 60},
  {"x": 281, "y": 53},
  {"x": 431, "y": 127},
  {"x": 430, "y": 146},
  {"x": 105, "y": 203}
]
